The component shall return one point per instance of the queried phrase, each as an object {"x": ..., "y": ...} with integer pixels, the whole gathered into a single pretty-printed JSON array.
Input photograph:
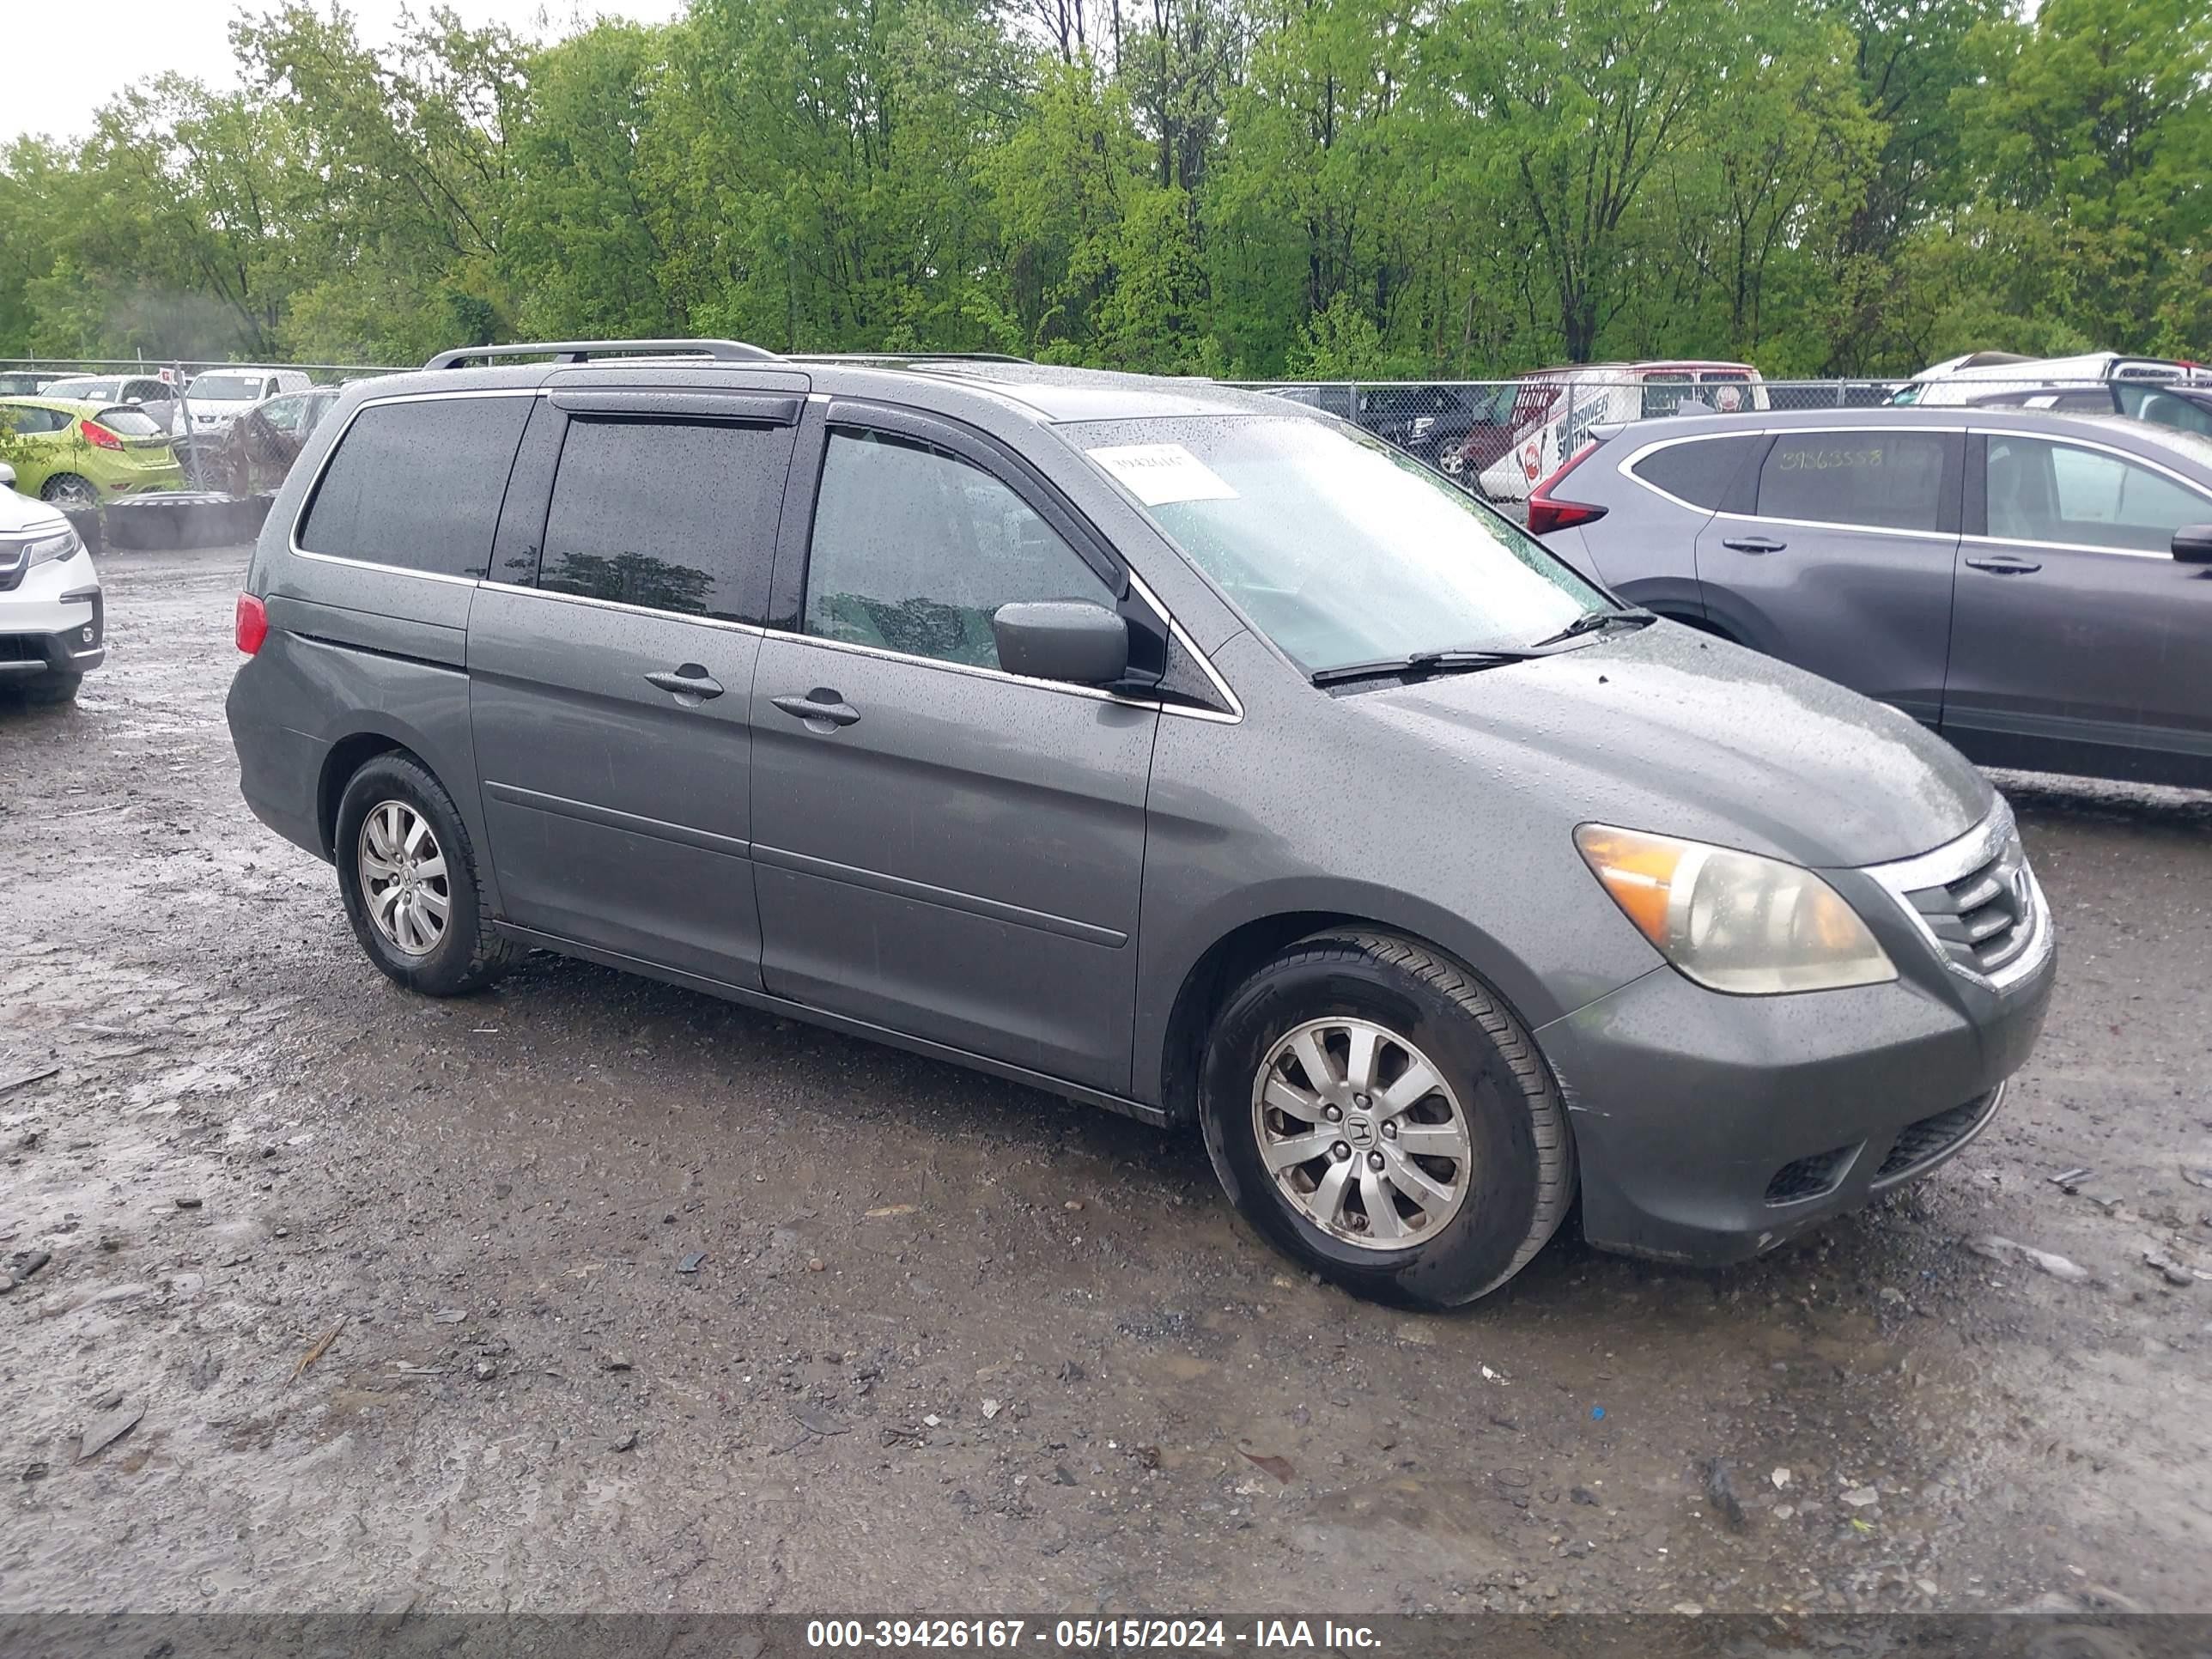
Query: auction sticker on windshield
[{"x": 1159, "y": 474}]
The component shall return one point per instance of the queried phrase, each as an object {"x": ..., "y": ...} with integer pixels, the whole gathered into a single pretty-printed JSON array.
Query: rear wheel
[
  {"x": 1383, "y": 1120},
  {"x": 69, "y": 489},
  {"x": 407, "y": 872}
]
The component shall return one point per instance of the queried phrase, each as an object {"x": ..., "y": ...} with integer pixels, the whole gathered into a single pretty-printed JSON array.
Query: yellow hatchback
[{"x": 81, "y": 454}]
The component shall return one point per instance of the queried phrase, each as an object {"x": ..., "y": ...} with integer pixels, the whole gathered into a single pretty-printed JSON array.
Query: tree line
[{"x": 1234, "y": 187}]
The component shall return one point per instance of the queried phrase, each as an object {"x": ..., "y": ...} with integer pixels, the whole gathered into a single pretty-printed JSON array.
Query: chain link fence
[{"x": 56, "y": 369}]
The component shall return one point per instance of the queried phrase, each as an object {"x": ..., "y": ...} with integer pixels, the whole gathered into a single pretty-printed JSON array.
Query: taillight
[
  {"x": 252, "y": 623},
  {"x": 1547, "y": 512},
  {"x": 98, "y": 435}
]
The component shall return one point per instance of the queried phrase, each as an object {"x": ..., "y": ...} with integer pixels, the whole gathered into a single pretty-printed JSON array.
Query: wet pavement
[{"x": 397, "y": 1289}]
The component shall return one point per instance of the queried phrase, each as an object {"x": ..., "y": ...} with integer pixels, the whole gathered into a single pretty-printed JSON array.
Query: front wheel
[
  {"x": 1383, "y": 1120},
  {"x": 408, "y": 874}
]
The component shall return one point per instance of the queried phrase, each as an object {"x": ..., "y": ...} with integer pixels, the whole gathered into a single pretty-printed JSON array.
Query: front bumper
[
  {"x": 53, "y": 622},
  {"x": 1710, "y": 1128}
]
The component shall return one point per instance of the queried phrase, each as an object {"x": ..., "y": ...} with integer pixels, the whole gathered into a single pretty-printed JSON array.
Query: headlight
[
  {"x": 63, "y": 546},
  {"x": 1735, "y": 921}
]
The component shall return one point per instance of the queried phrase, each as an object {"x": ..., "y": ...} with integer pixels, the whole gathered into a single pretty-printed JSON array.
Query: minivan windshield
[{"x": 1338, "y": 547}]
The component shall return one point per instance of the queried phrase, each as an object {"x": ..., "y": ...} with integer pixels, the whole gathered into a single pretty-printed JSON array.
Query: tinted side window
[
  {"x": 673, "y": 515},
  {"x": 24, "y": 419},
  {"x": 2041, "y": 491},
  {"x": 1884, "y": 480},
  {"x": 418, "y": 484},
  {"x": 1699, "y": 472},
  {"x": 915, "y": 549}
]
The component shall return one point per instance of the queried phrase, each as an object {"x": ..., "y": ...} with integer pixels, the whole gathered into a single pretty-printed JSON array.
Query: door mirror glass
[
  {"x": 2192, "y": 543},
  {"x": 1070, "y": 640}
]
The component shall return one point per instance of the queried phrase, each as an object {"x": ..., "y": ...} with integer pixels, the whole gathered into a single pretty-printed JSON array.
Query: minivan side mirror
[
  {"x": 2192, "y": 544},
  {"x": 7, "y": 476},
  {"x": 1071, "y": 640}
]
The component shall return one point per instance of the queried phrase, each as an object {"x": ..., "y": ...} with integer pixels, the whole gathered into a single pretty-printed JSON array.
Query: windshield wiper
[
  {"x": 1591, "y": 622},
  {"x": 1420, "y": 665}
]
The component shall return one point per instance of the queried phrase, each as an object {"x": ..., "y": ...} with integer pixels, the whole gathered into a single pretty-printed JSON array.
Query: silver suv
[
  {"x": 1169, "y": 747},
  {"x": 2036, "y": 586}
]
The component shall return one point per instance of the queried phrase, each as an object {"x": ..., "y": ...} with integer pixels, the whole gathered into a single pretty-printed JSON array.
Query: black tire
[
  {"x": 50, "y": 688},
  {"x": 1519, "y": 1181},
  {"x": 69, "y": 489},
  {"x": 469, "y": 954}
]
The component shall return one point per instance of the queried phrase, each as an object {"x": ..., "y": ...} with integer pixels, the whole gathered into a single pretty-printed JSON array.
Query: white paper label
[{"x": 1157, "y": 474}]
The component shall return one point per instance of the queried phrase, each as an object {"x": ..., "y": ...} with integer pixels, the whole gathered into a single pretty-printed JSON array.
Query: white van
[{"x": 1557, "y": 407}]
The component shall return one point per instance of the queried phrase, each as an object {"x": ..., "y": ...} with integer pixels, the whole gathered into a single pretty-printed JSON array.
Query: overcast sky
[{"x": 64, "y": 61}]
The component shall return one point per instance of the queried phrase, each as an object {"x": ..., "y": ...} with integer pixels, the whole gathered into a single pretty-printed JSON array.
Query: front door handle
[
  {"x": 1755, "y": 544},
  {"x": 2004, "y": 564},
  {"x": 820, "y": 704},
  {"x": 687, "y": 680}
]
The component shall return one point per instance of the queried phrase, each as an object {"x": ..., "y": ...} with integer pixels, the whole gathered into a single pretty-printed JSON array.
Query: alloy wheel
[
  {"x": 403, "y": 878},
  {"x": 1362, "y": 1132}
]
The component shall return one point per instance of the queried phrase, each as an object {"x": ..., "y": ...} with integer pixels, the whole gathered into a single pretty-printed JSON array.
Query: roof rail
[
  {"x": 579, "y": 351},
  {"x": 907, "y": 357}
]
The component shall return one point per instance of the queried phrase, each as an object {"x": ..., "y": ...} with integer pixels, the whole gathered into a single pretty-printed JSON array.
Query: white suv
[{"x": 52, "y": 620}]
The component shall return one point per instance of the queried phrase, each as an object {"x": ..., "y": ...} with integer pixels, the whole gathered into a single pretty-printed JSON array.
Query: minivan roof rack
[
  {"x": 579, "y": 351},
  {"x": 907, "y": 357}
]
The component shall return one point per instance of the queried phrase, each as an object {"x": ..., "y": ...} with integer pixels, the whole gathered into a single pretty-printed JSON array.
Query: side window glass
[
  {"x": 1883, "y": 480},
  {"x": 282, "y": 413},
  {"x": 418, "y": 485},
  {"x": 2164, "y": 408},
  {"x": 2042, "y": 491},
  {"x": 914, "y": 549},
  {"x": 671, "y": 515},
  {"x": 1699, "y": 472}
]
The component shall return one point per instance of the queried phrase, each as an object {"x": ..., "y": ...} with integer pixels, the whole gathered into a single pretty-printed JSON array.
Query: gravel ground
[{"x": 392, "y": 1292}]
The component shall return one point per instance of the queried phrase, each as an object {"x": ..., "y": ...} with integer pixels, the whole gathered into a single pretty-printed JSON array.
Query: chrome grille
[
  {"x": 1976, "y": 901},
  {"x": 1980, "y": 919}
]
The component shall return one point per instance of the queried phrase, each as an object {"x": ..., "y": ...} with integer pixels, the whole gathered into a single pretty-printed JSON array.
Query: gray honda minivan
[{"x": 1163, "y": 745}]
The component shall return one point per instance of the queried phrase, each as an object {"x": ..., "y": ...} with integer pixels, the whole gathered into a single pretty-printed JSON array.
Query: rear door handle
[
  {"x": 1755, "y": 544},
  {"x": 687, "y": 680},
  {"x": 2004, "y": 564},
  {"x": 820, "y": 704}
]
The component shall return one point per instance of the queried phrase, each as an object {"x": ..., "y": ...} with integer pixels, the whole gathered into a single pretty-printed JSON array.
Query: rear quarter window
[
  {"x": 418, "y": 485},
  {"x": 1880, "y": 480},
  {"x": 1699, "y": 471}
]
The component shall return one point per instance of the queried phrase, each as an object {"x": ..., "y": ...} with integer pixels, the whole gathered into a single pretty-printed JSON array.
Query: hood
[
  {"x": 27, "y": 515},
  {"x": 1668, "y": 731}
]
